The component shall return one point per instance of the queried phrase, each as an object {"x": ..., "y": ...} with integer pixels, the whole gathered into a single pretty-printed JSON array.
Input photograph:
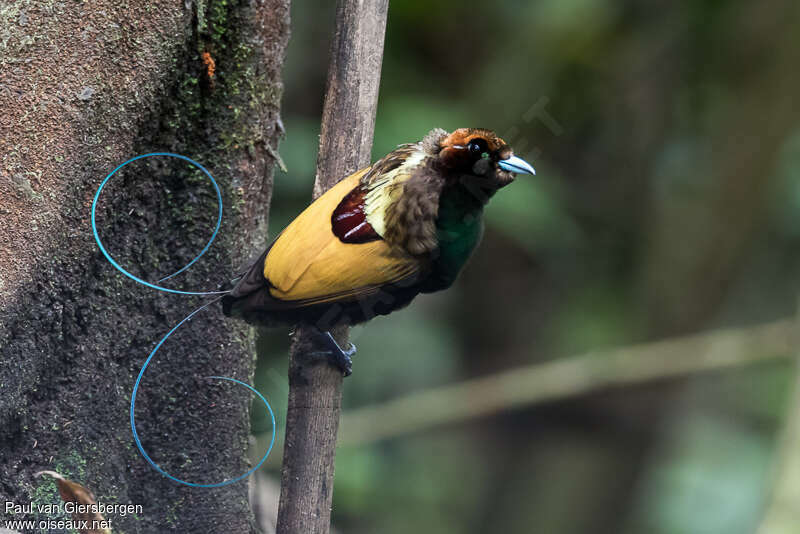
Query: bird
[{"x": 405, "y": 225}]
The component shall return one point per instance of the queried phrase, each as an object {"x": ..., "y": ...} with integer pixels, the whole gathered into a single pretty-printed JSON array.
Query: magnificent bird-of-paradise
[{"x": 403, "y": 226}]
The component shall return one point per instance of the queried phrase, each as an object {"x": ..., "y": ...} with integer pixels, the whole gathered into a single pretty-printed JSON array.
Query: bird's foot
[{"x": 334, "y": 353}]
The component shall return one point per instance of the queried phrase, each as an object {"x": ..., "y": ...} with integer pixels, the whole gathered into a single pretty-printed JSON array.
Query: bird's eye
[{"x": 478, "y": 147}]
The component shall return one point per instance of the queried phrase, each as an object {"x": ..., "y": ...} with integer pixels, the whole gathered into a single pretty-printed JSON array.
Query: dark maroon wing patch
[{"x": 349, "y": 221}]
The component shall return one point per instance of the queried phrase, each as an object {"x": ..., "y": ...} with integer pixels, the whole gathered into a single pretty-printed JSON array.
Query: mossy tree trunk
[{"x": 84, "y": 87}]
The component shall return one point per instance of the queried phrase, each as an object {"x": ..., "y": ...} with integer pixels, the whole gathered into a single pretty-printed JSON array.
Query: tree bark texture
[
  {"x": 84, "y": 87},
  {"x": 315, "y": 391}
]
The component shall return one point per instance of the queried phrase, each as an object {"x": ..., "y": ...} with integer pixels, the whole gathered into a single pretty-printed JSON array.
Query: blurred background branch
[{"x": 569, "y": 377}]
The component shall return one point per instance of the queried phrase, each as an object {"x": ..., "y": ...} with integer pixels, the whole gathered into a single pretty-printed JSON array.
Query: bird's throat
[{"x": 459, "y": 230}]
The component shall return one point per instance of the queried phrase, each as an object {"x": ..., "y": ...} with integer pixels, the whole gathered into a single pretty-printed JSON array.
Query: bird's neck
[{"x": 459, "y": 228}]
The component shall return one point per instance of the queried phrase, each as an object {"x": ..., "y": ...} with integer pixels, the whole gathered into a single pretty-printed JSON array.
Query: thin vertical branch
[{"x": 348, "y": 119}]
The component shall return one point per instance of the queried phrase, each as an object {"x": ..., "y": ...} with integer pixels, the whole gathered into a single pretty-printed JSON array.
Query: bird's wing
[{"x": 308, "y": 263}]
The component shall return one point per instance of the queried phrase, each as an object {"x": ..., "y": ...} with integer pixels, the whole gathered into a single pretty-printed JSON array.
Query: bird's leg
[{"x": 334, "y": 353}]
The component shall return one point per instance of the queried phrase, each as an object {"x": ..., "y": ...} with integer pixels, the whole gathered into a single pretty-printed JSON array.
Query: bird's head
[{"x": 476, "y": 152}]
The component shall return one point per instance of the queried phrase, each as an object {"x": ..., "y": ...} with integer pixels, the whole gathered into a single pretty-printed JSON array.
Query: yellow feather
[{"x": 309, "y": 263}]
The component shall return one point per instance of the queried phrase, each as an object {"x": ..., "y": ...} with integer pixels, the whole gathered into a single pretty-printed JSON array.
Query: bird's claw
[{"x": 335, "y": 354}]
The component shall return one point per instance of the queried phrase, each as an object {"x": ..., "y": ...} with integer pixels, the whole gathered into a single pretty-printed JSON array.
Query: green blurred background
[{"x": 667, "y": 202}]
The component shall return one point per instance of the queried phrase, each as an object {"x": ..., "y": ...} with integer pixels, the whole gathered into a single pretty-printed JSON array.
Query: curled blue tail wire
[
  {"x": 248, "y": 386},
  {"x": 185, "y": 319},
  {"x": 208, "y": 245}
]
